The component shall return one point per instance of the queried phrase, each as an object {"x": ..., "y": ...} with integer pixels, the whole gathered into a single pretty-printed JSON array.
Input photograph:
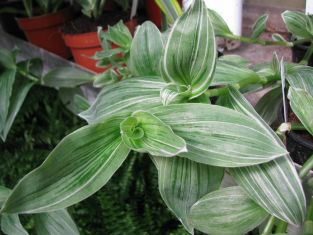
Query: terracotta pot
[
  {"x": 43, "y": 31},
  {"x": 84, "y": 46}
]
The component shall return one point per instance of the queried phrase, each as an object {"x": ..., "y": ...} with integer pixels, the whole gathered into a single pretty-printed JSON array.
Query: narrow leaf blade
[{"x": 259, "y": 26}]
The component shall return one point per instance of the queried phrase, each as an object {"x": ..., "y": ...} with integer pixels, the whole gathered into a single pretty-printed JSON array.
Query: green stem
[
  {"x": 305, "y": 169},
  {"x": 308, "y": 224},
  {"x": 297, "y": 127},
  {"x": 281, "y": 227},
  {"x": 269, "y": 226},
  {"x": 27, "y": 75},
  {"x": 307, "y": 55},
  {"x": 241, "y": 84}
]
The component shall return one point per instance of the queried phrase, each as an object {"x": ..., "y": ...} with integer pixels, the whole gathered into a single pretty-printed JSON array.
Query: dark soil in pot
[
  {"x": 298, "y": 53},
  {"x": 299, "y": 143},
  {"x": 8, "y": 21}
]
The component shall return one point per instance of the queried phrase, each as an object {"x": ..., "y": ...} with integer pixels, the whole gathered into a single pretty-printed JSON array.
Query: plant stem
[
  {"x": 269, "y": 226},
  {"x": 308, "y": 224},
  {"x": 265, "y": 42},
  {"x": 297, "y": 127},
  {"x": 307, "y": 55},
  {"x": 27, "y": 75},
  {"x": 281, "y": 227},
  {"x": 241, "y": 84},
  {"x": 305, "y": 169}
]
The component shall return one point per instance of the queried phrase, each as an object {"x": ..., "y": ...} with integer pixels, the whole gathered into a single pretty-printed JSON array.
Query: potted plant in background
[
  {"x": 43, "y": 22},
  {"x": 81, "y": 34}
]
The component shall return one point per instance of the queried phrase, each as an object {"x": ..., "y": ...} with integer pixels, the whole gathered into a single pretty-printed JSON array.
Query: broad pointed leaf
[
  {"x": 173, "y": 93},
  {"x": 55, "y": 223},
  {"x": 11, "y": 225},
  {"x": 301, "y": 103},
  {"x": 259, "y": 26},
  {"x": 182, "y": 182},
  {"x": 144, "y": 132},
  {"x": 146, "y": 51},
  {"x": 78, "y": 167},
  {"x": 125, "y": 97},
  {"x": 220, "y": 26},
  {"x": 219, "y": 136},
  {"x": 295, "y": 23},
  {"x": 228, "y": 211},
  {"x": 190, "y": 52},
  {"x": 119, "y": 34},
  {"x": 66, "y": 77},
  {"x": 274, "y": 185}
]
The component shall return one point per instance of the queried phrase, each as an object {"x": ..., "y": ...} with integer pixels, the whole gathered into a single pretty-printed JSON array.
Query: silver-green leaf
[
  {"x": 219, "y": 136},
  {"x": 78, "y": 167},
  {"x": 182, "y": 182},
  {"x": 144, "y": 132},
  {"x": 259, "y": 26},
  {"x": 228, "y": 211},
  {"x": 190, "y": 52},
  {"x": 296, "y": 23},
  {"x": 11, "y": 225},
  {"x": 220, "y": 26},
  {"x": 146, "y": 51}
]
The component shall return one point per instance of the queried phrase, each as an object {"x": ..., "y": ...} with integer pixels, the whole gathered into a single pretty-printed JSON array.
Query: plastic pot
[
  {"x": 298, "y": 53},
  {"x": 44, "y": 31},
  {"x": 84, "y": 46},
  {"x": 8, "y": 21},
  {"x": 299, "y": 147}
]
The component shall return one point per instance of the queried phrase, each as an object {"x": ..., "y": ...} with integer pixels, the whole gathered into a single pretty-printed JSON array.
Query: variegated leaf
[
  {"x": 220, "y": 26},
  {"x": 190, "y": 52},
  {"x": 274, "y": 185},
  {"x": 301, "y": 103},
  {"x": 11, "y": 225},
  {"x": 259, "y": 26},
  {"x": 182, "y": 182},
  {"x": 78, "y": 167},
  {"x": 295, "y": 23},
  {"x": 219, "y": 136},
  {"x": 146, "y": 51},
  {"x": 228, "y": 211},
  {"x": 144, "y": 132},
  {"x": 55, "y": 223},
  {"x": 125, "y": 97},
  {"x": 174, "y": 94}
]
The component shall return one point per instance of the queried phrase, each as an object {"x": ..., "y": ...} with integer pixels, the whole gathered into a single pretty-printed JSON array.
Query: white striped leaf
[
  {"x": 190, "y": 52},
  {"x": 225, "y": 70},
  {"x": 11, "y": 225},
  {"x": 295, "y": 23},
  {"x": 78, "y": 167},
  {"x": 125, "y": 97},
  {"x": 219, "y": 136},
  {"x": 274, "y": 185},
  {"x": 220, "y": 26},
  {"x": 174, "y": 94},
  {"x": 55, "y": 223},
  {"x": 120, "y": 35},
  {"x": 228, "y": 211},
  {"x": 300, "y": 76},
  {"x": 259, "y": 26},
  {"x": 144, "y": 132},
  {"x": 146, "y": 51},
  {"x": 182, "y": 182},
  {"x": 301, "y": 103}
]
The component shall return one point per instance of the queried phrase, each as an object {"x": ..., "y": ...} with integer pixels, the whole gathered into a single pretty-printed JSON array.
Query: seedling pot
[
  {"x": 299, "y": 147},
  {"x": 43, "y": 31},
  {"x": 84, "y": 46}
]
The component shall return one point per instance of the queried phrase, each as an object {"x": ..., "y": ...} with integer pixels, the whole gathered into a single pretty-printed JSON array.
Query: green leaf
[
  {"x": 78, "y": 167},
  {"x": 108, "y": 77},
  {"x": 259, "y": 26},
  {"x": 66, "y": 77},
  {"x": 219, "y": 136},
  {"x": 125, "y": 97},
  {"x": 55, "y": 223},
  {"x": 278, "y": 38},
  {"x": 228, "y": 211},
  {"x": 274, "y": 185},
  {"x": 300, "y": 76},
  {"x": 295, "y": 23},
  {"x": 170, "y": 8},
  {"x": 4, "y": 193},
  {"x": 73, "y": 99},
  {"x": 146, "y": 51},
  {"x": 174, "y": 94},
  {"x": 182, "y": 182},
  {"x": 143, "y": 132},
  {"x": 268, "y": 106},
  {"x": 11, "y": 225},
  {"x": 220, "y": 26},
  {"x": 20, "y": 90},
  {"x": 7, "y": 78},
  {"x": 7, "y": 59},
  {"x": 32, "y": 66},
  {"x": 190, "y": 52},
  {"x": 301, "y": 103},
  {"x": 119, "y": 35},
  {"x": 229, "y": 73}
]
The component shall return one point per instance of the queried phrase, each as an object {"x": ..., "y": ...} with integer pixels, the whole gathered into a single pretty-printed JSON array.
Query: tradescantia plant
[{"x": 165, "y": 111}]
